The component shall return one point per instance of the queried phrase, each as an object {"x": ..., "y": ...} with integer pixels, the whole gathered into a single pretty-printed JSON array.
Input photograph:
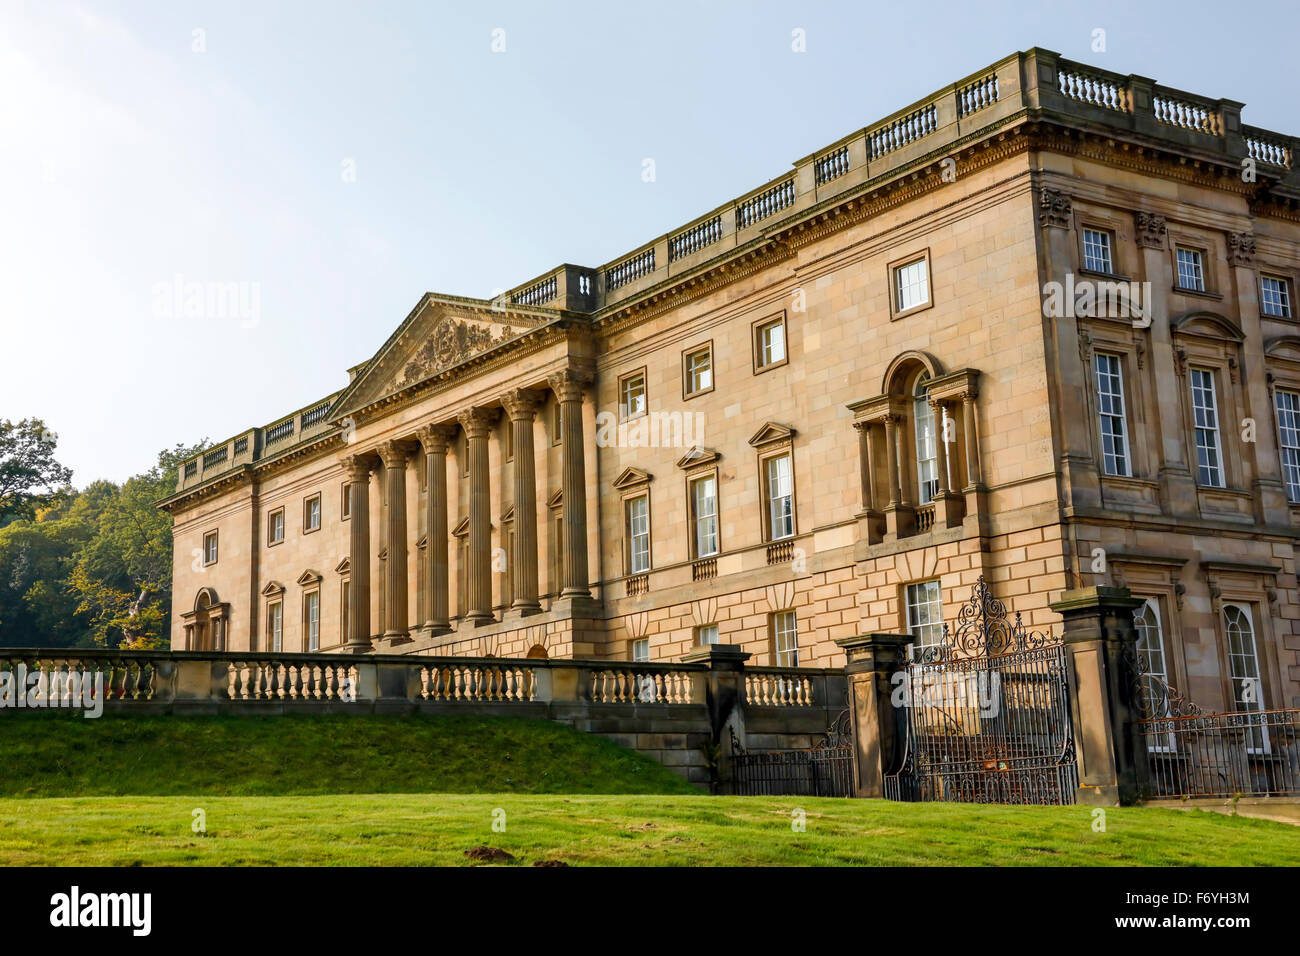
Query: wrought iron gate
[
  {"x": 825, "y": 770},
  {"x": 986, "y": 714}
]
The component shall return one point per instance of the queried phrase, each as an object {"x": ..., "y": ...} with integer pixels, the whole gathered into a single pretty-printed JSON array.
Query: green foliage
[
  {"x": 83, "y": 568},
  {"x": 26, "y": 465}
]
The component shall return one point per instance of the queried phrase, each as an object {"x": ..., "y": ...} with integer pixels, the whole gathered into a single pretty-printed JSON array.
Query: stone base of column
[
  {"x": 871, "y": 526},
  {"x": 359, "y": 646},
  {"x": 579, "y": 607},
  {"x": 397, "y": 638},
  {"x": 436, "y": 628},
  {"x": 480, "y": 618},
  {"x": 900, "y": 521},
  {"x": 948, "y": 508},
  {"x": 517, "y": 613}
]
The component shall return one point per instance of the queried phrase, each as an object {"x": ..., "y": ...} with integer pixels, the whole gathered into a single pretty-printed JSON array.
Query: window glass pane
[
  {"x": 780, "y": 497},
  {"x": 1190, "y": 274},
  {"x": 277, "y": 627},
  {"x": 1096, "y": 250},
  {"x": 927, "y": 453},
  {"x": 708, "y": 634},
  {"x": 633, "y": 399},
  {"x": 1243, "y": 666},
  {"x": 638, "y": 534},
  {"x": 1288, "y": 427},
  {"x": 1110, "y": 411},
  {"x": 641, "y": 649},
  {"x": 786, "y": 638},
  {"x": 773, "y": 342},
  {"x": 699, "y": 371},
  {"x": 912, "y": 284},
  {"x": 1275, "y": 297},
  {"x": 313, "y": 621},
  {"x": 1205, "y": 416},
  {"x": 705, "y": 503},
  {"x": 925, "y": 613}
]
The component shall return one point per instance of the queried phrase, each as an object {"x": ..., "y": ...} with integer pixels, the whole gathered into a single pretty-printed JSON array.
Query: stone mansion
[{"x": 1040, "y": 326}]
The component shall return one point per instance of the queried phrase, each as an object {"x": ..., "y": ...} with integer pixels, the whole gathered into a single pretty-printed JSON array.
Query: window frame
[
  {"x": 629, "y": 537},
  {"x": 691, "y": 481},
  {"x": 635, "y": 646},
  {"x": 687, "y": 355},
  {"x": 623, "y": 381},
  {"x": 776, "y": 632},
  {"x": 896, "y": 308},
  {"x": 1152, "y": 604},
  {"x": 275, "y": 642},
  {"x": 1283, "y": 447},
  {"x": 911, "y": 623},
  {"x": 1246, "y": 610},
  {"x": 924, "y": 497},
  {"x": 307, "y": 596},
  {"x": 1102, "y": 416},
  {"x": 756, "y": 337},
  {"x": 1288, "y": 299},
  {"x": 1202, "y": 259},
  {"x": 1106, "y": 233},
  {"x": 271, "y": 515},
  {"x": 699, "y": 635},
  {"x": 345, "y": 502},
  {"x": 214, "y": 537},
  {"x": 1216, "y": 430},
  {"x": 764, "y": 463},
  {"x": 306, "y": 513}
]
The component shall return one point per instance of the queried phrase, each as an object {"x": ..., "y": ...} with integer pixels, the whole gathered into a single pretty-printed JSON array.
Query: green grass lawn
[
  {"x": 62, "y": 754},
  {"x": 437, "y": 829}
]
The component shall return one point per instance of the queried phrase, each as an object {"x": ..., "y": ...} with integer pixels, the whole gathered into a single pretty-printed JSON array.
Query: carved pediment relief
[
  {"x": 272, "y": 588},
  {"x": 344, "y": 566},
  {"x": 1208, "y": 325},
  {"x": 696, "y": 456},
  {"x": 308, "y": 577},
  {"x": 1285, "y": 348},
  {"x": 771, "y": 433},
  {"x": 441, "y": 333}
]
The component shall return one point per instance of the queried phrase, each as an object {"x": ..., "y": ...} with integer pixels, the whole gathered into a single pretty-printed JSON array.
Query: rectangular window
[
  {"x": 925, "y": 613},
  {"x": 785, "y": 639},
  {"x": 780, "y": 498},
  {"x": 311, "y": 514},
  {"x": 641, "y": 650},
  {"x": 704, "y": 512},
  {"x": 638, "y": 535},
  {"x": 508, "y": 438},
  {"x": 345, "y": 503},
  {"x": 1274, "y": 297},
  {"x": 275, "y": 527},
  {"x": 706, "y": 634},
  {"x": 911, "y": 285},
  {"x": 210, "y": 548},
  {"x": 343, "y": 612},
  {"x": 1191, "y": 274},
  {"x": 1205, "y": 414},
  {"x": 1288, "y": 427},
  {"x": 557, "y": 423},
  {"x": 275, "y": 626},
  {"x": 1096, "y": 251},
  {"x": 698, "y": 370},
  {"x": 311, "y": 619},
  {"x": 1110, "y": 412},
  {"x": 769, "y": 344},
  {"x": 631, "y": 395},
  {"x": 927, "y": 448}
]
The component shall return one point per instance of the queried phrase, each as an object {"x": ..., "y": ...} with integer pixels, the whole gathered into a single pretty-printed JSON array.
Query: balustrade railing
[
  {"x": 695, "y": 238},
  {"x": 778, "y": 687},
  {"x": 640, "y": 684}
]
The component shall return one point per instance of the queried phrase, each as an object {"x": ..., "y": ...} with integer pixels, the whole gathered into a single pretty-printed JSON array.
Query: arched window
[
  {"x": 1151, "y": 650},
  {"x": 1243, "y": 667},
  {"x": 927, "y": 460}
]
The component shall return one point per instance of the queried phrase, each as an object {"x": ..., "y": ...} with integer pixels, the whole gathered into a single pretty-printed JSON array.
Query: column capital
[
  {"x": 1150, "y": 230},
  {"x": 521, "y": 404},
  {"x": 569, "y": 383},
  {"x": 1054, "y": 208},
  {"x": 394, "y": 453},
  {"x": 358, "y": 467},
  {"x": 436, "y": 438},
  {"x": 863, "y": 425},
  {"x": 476, "y": 420}
]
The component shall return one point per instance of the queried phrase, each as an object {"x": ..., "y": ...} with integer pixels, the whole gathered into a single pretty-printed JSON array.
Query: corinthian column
[
  {"x": 521, "y": 405},
  {"x": 396, "y": 629},
  {"x": 435, "y": 439},
  {"x": 568, "y": 386},
  {"x": 476, "y": 422},
  {"x": 358, "y": 623}
]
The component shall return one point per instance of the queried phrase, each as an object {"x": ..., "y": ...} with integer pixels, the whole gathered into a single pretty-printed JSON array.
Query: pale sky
[{"x": 137, "y": 150}]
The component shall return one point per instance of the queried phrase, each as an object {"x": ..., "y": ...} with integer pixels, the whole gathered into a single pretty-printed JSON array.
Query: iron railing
[{"x": 1246, "y": 753}]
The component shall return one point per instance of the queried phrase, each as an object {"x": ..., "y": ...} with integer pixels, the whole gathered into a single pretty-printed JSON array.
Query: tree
[
  {"x": 123, "y": 574},
  {"x": 27, "y": 463}
]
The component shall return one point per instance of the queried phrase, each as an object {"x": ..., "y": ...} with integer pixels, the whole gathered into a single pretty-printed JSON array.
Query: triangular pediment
[
  {"x": 631, "y": 478},
  {"x": 771, "y": 432},
  {"x": 344, "y": 566},
  {"x": 440, "y": 333},
  {"x": 509, "y": 515},
  {"x": 308, "y": 577},
  {"x": 696, "y": 456},
  {"x": 461, "y": 529},
  {"x": 272, "y": 588},
  {"x": 423, "y": 541},
  {"x": 556, "y": 500}
]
